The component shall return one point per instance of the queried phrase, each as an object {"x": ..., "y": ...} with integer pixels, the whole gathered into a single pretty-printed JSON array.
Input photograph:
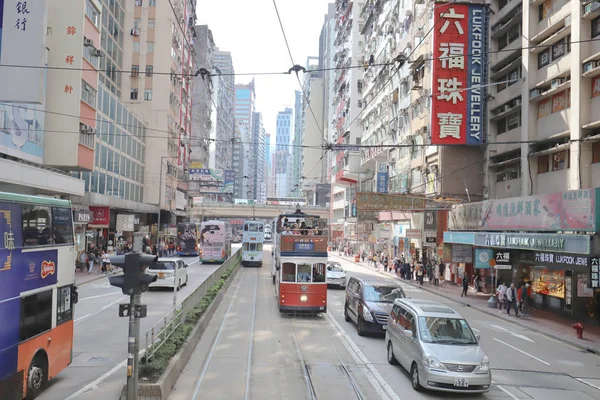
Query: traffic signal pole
[{"x": 133, "y": 349}]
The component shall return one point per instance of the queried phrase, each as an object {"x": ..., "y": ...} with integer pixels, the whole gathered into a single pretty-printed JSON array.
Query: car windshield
[
  {"x": 383, "y": 294},
  {"x": 163, "y": 265},
  {"x": 335, "y": 268},
  {"x": 445, "y": 331}
]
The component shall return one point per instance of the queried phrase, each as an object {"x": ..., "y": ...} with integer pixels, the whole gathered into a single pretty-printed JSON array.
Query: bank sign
[{"x": 459, "y": 73}]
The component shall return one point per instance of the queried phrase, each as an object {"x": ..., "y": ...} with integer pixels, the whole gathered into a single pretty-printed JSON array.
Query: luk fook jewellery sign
[{"x": 459, "y": 74}]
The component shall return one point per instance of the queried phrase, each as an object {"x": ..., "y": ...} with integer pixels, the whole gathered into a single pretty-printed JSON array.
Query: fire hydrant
[
  {"x": 579, "y": 329},
  {"x": 357, "y": 258}
]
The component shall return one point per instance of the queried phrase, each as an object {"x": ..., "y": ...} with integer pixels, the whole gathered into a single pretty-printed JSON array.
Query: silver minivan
[{"x": 437, "y": 346}]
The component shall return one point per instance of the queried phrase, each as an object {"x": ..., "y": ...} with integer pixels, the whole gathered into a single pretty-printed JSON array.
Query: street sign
[{"x": 140, "y": 310}]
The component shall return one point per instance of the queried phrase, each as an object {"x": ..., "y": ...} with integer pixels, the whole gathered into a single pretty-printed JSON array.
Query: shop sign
[
  {"x": 483, "y": 258},
  {"x": 81, "y": 216},
  {"x": 430, "y": 239},
  {"x": 125, "y": 222},
  {"x": 462, "y": 253},
  {"x": 574, "y": 210},
  {"x": 100, "y": 216},
  {"x": 413, "y": 233},
  {"x": 430, "y": 220},
  {"x": 594, "y": 272},
  {"x": 577, "y": 244},
  {"x": 502, "y": 259}
]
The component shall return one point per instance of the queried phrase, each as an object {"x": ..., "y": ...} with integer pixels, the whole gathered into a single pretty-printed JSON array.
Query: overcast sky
[{"x": 251, "y": 31}]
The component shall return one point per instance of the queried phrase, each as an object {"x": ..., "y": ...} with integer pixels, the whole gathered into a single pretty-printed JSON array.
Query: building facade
[
  {"x": 259, "y": 155},
  {"x": 283, "y": 157},
  {"x": 203, "y": 110},
  {"x": 245, "y": 103},
  {"x": 224, "y": 83},
  {"x": 296, "y": 148}
]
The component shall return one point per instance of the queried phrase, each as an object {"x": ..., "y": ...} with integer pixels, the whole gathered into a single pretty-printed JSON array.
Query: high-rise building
[
  {"x": 296, "y": 149},
  {"x": 163, "y": 100},
  {"x": 269, "y": 166},
  {"x": 283, "y": 160},
  {"x": 259, "y": 151},
  {"x": 245, "y": 98},
  {"x": 224, "y": 83}
]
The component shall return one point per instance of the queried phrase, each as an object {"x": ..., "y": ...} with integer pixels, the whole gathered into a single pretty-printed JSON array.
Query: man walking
[{"x": 511, "y": 299}]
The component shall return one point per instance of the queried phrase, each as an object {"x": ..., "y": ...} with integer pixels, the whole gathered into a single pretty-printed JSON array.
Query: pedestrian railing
[{"x": 158, "y": 334}]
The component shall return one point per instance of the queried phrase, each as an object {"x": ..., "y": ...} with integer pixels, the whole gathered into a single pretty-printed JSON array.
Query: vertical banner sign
[
  {"x": 459, "y": 74},
  {"x": 430, "y": 220},
  {"x": 382, "y": 177}
]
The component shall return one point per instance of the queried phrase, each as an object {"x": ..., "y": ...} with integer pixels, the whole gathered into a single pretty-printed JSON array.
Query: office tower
[
  {"x": 283, "y": 161},
  {"x": 245, "y": 98}
]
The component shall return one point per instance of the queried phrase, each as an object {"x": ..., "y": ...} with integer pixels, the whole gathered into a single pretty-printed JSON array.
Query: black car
[{"x": 369, "y": 300}]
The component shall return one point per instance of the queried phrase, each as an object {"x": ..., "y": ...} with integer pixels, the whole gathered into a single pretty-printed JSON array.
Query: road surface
[
  {"x": 100, "y": 347},
  {"x": 250, "y": 352}
]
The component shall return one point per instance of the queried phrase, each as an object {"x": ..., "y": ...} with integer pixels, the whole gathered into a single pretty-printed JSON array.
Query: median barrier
[{"x": 163, "y": 386}]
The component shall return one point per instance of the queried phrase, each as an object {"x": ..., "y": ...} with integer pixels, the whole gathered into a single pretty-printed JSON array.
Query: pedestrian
[
  {"x": 501, "y": 295},
  {"x": 363, "y": 255},
  {"x": 511, "y": 299},
  {"x": 91, "y": 258},
  {"x": 420, "y": 274},
  {"x": 525, "y": 299},
  {"x": 465, "y": 285},
  {"x": 436, "y": 276},
  {"x": 105, "y": 262},
  {"x": 442, "y": 269},
  {"x": 476, "y": 281}
]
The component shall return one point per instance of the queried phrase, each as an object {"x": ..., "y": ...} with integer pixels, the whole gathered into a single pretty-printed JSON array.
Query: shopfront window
[{"x": 550, "y": 283}]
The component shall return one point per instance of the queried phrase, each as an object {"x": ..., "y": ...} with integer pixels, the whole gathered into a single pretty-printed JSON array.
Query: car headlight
[
  {"x": 367, "y": 316},
  {"x": 303, "y": 298},
  {"x": 484, "y": 366},
  {"x": 432, "y": 362}
]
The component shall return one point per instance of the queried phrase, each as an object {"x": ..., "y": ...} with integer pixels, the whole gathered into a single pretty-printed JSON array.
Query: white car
[
  {"x": 336, "y": 275},
  {"x": 170, "y": 272}
]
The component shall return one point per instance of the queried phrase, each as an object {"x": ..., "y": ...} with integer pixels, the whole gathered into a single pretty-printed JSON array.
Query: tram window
[
  {"x": 288, "y": 272},
  {"x": 318, "y": 272},
  {"x": 245, "y": 247},
  {"x": 304, "y": 272},
  {"x": 252, "y": 246},
  {"x": 259, "y": 246}
]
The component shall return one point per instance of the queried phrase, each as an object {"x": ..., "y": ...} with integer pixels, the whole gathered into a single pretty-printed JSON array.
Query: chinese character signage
[
  {"x": 459, "y": 74},
  {"x": 430, "y": 220},
  {"x": 213, "y": 180},
  {"x": 574, "y": 210},
  {"x": 304, "y": 246},
  {"x": 594, "y": 271},
  {"x": 22, "y": 42},
  {"x": 382, "y": 177},
  {"x": 502, "y": 259},
  {"x": 573, "y": 244},
  {"x": 388, "y": 202},
  {"x": 100, "y": 216}
]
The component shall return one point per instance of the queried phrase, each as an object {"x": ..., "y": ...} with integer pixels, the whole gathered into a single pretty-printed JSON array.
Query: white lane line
[
  {"x": 588, "y": 383},
  {"x": 476, "y": 330},
  {"x": 247, "y": 395},
  {"x": 506, "y": 391},
  {"x": 521, "y": 351},
  {"x": 113, "y": 303},
  {"x": 100, "y": 295},
  {"x": 381, "y": 386},
  {"x": 94, "y": 385},
  {"x": 512, "y": 333},
  {"x": 80, "y": 318},
  {"x": 216, "y": 342}
]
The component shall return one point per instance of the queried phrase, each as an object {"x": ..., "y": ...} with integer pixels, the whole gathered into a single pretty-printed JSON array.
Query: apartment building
[
  {"x": 224, "y": 90},
  {"x": 296, "y": 149},
  {"x": 346, "y": 101},
  {"x": 163, "y": 100},
  {"x": 203, "y": 110}
]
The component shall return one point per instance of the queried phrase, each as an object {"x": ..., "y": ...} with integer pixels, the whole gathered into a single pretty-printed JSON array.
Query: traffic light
[{"x": 134, "y": 279}]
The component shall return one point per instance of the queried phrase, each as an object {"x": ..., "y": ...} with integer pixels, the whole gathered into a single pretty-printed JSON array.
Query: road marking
[
  {"x": 521, "y": 351},
  {"x": 506, "y": 391},
  {"x": 100, "y": 295},
  {"x": 381, "y": 386},
  {"x": 512, "y": 333},
  {"x": 216, "y": 342},
  {"x": 476, "y": 330},
  {"x": 113, "y": 303},
  {"x": 80, "y": 318},
  {"x": 94, "y": 385},
  {"x": 247, "y": 395},
  {"x": 588, "y": 383}
]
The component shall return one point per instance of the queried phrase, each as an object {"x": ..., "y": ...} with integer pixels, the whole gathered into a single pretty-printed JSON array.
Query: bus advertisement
[
  {"x": 253, "y": 239},
  {"x": 215, "y": 242},
  {"x": 187, "y": 239},
  {"x": 37, "y": 292}
]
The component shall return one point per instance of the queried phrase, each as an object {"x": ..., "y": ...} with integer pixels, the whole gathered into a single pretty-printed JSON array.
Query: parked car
[
  {"x": 170, "y": 272},
  {"x": 369, "y": 300},
  {"x": 336, "y": 275},
  {"x": 437, "y": 346}
]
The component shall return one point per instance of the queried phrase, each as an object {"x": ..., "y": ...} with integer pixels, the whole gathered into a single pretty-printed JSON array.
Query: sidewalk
[
  {"x": 82, "y": 278},
  {"x": 544, "y": 322}
]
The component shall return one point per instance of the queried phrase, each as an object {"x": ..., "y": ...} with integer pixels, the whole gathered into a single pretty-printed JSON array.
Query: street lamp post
[{"x": 160, "y": 190}]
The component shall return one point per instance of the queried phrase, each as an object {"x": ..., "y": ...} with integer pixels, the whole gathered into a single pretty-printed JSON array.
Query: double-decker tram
[
  {"x": 253, "y": 238},
  {"x": 300, "y": 263}
]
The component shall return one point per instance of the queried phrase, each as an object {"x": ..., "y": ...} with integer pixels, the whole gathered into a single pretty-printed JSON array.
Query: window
[
  {"x": 543, "y": 164},
  {"x": 151, "y": 24},
  {"x": 596, "y": 27},
  {"x": 138, "y": 3},
  {"x": 92, "y": 55},
  {"x": 36, "y": 315},
  {"x": 318, "y": 272},
  {"x": 508, "y": 172},
  {"x": 135, "y": 70},
  {"x": 543, "y": 58},
  {"x": 150, "y": 47},
  {"x": 149, "y": 70},
  {"x": 137, "y": 24},
  {"x": 62, "y": 225},
  {"x": 148, "y": 94},
  {"x": 37, "y": 229},
  {"x": 134, "y": 94},
  {"x": 92, "y": 13},
  {"x": 560, "y": 160},
  {"x": 136, "y": 46},
  {"x": 596, "y": 152},
  {"x": 88, "y": 94},
  {"x": 288, "y": 273},
  {"x": 152, "y": 3},
  {"x": 508, "y": 123},
  {"x": 64, "y": 311}
]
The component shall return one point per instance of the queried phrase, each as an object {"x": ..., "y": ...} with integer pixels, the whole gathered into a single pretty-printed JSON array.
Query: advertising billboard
[
  {"x": 382, "y": 177},
  {"x": 459, "y": 74},
  {"x": 22, "y": 50},
  {"x": 213, "y": 180},
  {"x": 22, "y": 130}
]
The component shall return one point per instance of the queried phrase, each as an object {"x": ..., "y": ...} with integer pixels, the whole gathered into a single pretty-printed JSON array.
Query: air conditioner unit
[
  {"x": 88, "y": 42},
  {"x": 517, "y": 102},
  {"x": 135, "y": 32},
  {"x": 97, "y": 53},
  {"x": 588, "y": 66},
  {"x": 534, "y": 93},
  {"x": 591, "y": 7},
  {"x": 556, "y": 82}
]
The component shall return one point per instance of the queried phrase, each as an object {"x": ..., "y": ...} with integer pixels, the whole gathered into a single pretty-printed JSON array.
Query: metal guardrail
[{"x": 167, "y": 325}]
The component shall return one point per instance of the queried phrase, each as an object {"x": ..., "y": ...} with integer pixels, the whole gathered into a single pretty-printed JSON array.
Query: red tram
[{"x": 300, "y": 264}]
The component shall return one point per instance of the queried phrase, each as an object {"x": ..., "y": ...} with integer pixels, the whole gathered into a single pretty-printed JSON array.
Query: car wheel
[
  {"x": 390, "y": 354},
  {"x": 346, "y": 315},
  {"x": 360, "y": 327},
  {"x": 414, "y": 378},
  {"x": 37, "y": 376}
]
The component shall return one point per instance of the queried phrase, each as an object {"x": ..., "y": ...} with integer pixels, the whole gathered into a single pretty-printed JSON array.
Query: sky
[{"x": 249, "y": 29}]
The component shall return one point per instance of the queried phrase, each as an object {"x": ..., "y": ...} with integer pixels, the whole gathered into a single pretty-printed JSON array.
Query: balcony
[
  {"x": 550, "y": 87},
  {"x": 504, "y": 11},
  {"x": 504, "y": 26}
]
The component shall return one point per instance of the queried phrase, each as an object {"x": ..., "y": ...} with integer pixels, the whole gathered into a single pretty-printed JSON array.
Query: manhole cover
[{"x": 98, "y": 359}]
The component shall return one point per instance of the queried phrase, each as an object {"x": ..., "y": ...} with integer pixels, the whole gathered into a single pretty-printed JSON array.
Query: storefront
[
  {"x": 97, "y": 233},
  {"x": 81, "y": 218}
]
